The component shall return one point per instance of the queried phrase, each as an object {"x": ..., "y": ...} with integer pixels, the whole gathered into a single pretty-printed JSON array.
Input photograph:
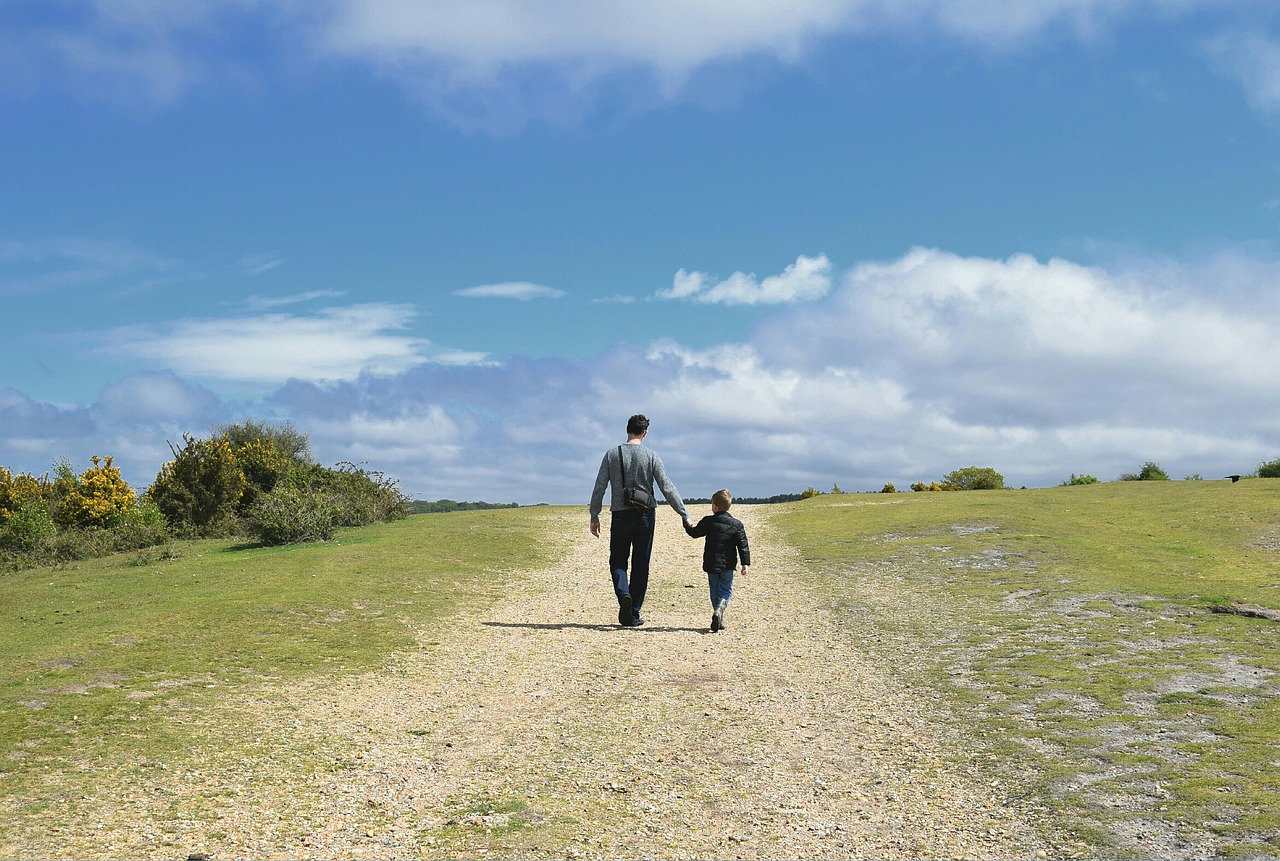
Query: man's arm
[
  {"x": 597, "y": 494},
  {"x": 668, "y": 489}
]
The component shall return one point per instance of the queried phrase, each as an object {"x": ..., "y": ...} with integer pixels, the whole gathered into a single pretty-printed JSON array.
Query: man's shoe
[
  {"x": 624, "y": 611},
  {"x": 715, "y": 621},
  {"x": 637, "y": 622}
]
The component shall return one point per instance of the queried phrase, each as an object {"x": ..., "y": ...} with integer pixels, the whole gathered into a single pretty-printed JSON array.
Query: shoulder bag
[{"x": 635, "y": 498}]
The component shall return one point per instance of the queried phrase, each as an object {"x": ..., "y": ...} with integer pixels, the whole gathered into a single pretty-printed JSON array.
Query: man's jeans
[
  {"x": 631, "y": 534},
  {"x": 721, "y": 586}
]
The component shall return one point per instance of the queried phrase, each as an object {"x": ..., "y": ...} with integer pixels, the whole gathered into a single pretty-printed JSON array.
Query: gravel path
[{"x": 536, "y": 728}]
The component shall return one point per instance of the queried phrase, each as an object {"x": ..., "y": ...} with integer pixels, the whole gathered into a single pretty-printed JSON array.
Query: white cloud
[
  {"x": 496, "y": 64},
  {"x": 266, "y": 303},
  {"x": 521, "y": 290},
  {"x": 1253, "y": 58},
  {"x": 807, "y": 279},
  {"x": 335, "y": 344},
  {"x": 909, "y": 369}
]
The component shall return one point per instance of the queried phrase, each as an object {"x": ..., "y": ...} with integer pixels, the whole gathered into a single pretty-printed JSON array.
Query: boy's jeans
[
  {"x": 631, "y": 534},
  {"x": 721, "y": 586}
]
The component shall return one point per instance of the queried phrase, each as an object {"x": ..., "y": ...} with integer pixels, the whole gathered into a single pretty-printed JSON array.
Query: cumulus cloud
[
  {"x": 334, "y": 344},
  {"x": 908, "y": 369},
  {"x": 807, "y": 279},
  {"x": 521, "y": 290}
]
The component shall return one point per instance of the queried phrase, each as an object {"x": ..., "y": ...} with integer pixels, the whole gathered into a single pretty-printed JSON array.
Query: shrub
[
  {"x": 142, "y": 526},
  {"x": 21, "y": 491},
  {"x": 810, "y": 493},
  {"x": 28, "y": 528},
  {"x": 1269, "y": 469},
  {"x": 1151, "y": 471},
  {"x": 889, "y": 488},
  {"x": 263, "y": 466},
  {"x": 289, "y": 442},
  {"x": 974, "y": 478},
  {"x": 201, "y": 486},
  {"x": 100, "y": 498},
  {"x": 1078, "y": 480},
  {"x": 365, "y": 496},
  {"x": 291, "y": 514}
]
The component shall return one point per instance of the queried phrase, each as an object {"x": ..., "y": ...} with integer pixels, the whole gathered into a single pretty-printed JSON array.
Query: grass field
[
  {"x": 1072, "y": 629},
  {"x": 108, "y": 660},
  {"x": 1069, "y": 630}
]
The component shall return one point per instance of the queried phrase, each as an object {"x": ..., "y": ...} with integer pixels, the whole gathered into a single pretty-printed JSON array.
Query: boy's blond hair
[{"x": 721, "y": 499}]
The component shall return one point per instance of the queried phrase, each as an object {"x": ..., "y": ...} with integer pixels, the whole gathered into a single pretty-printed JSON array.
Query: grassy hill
[
  {"x": 1070, "y": 631},
  {"x": 1074, "y": 631},
  {"x": 115, "y": 658}
]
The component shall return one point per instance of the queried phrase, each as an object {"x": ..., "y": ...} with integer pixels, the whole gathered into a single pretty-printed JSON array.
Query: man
[{"x": 631, "y": 530}]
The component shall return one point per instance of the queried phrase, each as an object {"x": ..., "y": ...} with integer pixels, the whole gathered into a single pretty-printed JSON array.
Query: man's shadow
[{"x": 561, "y": 626}]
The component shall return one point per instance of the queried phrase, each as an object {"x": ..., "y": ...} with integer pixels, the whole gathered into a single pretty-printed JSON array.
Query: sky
[{"x": 817, "y": 242}]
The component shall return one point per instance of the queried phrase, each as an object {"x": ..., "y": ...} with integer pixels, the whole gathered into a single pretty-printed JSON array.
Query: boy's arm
[{"x": 744, "y": 549}]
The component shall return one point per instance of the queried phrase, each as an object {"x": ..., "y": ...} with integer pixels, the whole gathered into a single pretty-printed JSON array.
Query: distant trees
[
  {"x": 1150, "y": 471},
  {"x": 73, "y": 516},
  {"x": 251, "y": 479},
  {"x": 975, "y": 478},
  {"x": 258, "y": 479}
]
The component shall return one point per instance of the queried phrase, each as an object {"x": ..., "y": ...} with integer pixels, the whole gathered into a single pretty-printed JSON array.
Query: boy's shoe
[
  {"x": 721, "y": 609},
  {"x": 624, "y": 611}
]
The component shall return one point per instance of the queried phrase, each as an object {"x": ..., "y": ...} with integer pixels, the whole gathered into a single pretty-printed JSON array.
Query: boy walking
[{"x": 726, "y": 545}]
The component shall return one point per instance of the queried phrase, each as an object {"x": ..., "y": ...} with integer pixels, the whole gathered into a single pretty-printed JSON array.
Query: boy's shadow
[{"x": 561, "y": 626}]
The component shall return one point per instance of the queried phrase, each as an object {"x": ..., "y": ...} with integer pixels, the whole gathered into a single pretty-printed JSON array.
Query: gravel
[{"x": 536, "y": 728}]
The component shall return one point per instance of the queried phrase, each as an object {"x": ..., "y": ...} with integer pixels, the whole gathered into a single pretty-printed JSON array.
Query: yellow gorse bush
[
  {"x": 20, "y": 491},
  {"x": 100, "y": 498}
]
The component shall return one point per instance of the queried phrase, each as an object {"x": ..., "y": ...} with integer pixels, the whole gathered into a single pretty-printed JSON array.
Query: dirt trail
[{"x": 536, "y": 728}]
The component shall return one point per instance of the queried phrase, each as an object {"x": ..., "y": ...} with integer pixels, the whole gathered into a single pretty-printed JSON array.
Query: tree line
[{"x": 252, "y": 480}]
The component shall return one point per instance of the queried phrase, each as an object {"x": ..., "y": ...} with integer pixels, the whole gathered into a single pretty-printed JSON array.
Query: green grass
[
  {"x": 104, "y": 661},
  {"x": 1073, "y": 626}
]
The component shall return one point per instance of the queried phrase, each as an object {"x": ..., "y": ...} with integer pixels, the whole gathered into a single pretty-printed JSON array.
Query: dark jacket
[{"x": 726, "y": 542}]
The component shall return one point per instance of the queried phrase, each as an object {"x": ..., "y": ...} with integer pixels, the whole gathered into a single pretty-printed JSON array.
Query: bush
[
  {"x": 1269, "y": 469},
  {"x": 365, "y": 496},
  {"x": 810, "y": 493},
  {"x": 142, "y": 526},
  {"x": 1151, "y": 471},
  {"x": 974, "y": 478},
  {"x": 889, "y": 488},
  {"x": 201, "y": 487},
  {"x": 1078, "y": 480},
  {"x": 100, "y": 498},
  {"x": 291, "y": 514},
  {"x": 28, "y": 528}
]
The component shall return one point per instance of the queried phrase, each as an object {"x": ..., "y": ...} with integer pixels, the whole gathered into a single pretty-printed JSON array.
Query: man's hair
[
  {"x": 722, "y": 499},
  {"x": 637, "y": 424}
]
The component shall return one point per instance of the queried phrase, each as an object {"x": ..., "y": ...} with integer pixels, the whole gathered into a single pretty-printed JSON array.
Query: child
[{"x": 726, "y": 543}]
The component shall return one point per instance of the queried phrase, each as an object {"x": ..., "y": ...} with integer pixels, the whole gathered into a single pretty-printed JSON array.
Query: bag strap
[{"x": 622, "y": 464}]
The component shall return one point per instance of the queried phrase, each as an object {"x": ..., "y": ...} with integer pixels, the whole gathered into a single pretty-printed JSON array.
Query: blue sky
[{"x": 817, "y": 242}]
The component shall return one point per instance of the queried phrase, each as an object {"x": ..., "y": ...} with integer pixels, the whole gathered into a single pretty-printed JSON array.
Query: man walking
[{"x": 631, "y": 470}]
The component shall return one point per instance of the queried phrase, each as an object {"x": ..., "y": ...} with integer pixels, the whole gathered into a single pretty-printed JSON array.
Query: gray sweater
[{"x": 644, "y": 467}]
